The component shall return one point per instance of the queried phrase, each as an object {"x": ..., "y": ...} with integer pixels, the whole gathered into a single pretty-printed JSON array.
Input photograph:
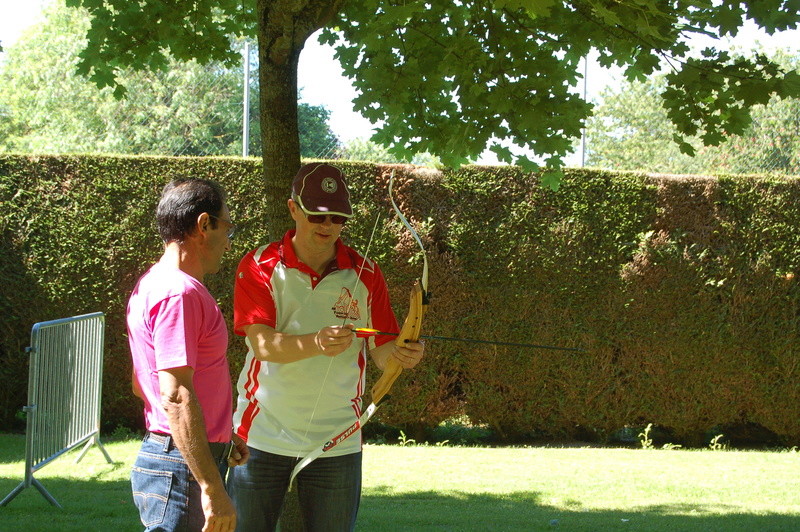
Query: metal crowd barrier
[{"x": 64, "y": 385}]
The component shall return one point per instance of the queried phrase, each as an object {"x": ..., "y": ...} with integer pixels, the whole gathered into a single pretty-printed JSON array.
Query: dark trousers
[{"x": 329, "y": 491}]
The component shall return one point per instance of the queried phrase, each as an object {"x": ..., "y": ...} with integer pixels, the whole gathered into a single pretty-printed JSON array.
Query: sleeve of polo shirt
[
  {"x": 252, "y": 296},
  {"x": 382, "y": 316},
  {"x": 176, "y": 322}
]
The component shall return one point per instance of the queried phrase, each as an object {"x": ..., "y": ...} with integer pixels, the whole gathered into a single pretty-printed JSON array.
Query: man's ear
[
  {"x": 203, "y": 224},
  {"x": 293, "y": 207}
]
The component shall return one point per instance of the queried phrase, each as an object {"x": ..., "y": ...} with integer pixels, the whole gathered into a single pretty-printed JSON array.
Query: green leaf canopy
[{"x": 454, "y": 78}]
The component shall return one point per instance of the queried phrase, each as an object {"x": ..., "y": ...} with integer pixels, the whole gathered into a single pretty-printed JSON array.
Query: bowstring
[
  {"x": 404, "y": 221},
  {"x": 344, "y": 322}
]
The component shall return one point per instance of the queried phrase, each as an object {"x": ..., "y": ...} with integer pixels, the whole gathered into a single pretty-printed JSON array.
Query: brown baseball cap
[{"x": 319, "y": 188}]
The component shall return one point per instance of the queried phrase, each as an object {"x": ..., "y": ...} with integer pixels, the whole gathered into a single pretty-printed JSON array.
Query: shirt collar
[{"x": 341, "y": 261}]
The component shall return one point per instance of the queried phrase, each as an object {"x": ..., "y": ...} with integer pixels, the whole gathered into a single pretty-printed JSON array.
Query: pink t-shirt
[{"x": 173, "y": 321}]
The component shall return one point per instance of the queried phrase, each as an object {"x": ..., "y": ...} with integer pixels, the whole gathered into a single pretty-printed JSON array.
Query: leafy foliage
[
  {"x": 631, "y": 131},
  {"x": 316, "y": 137},
  {"x": 454, "y": 88},
  {"x": 186, "y": 109},
  {"x": 715, "y": 93},
  {"x": 453, "y": 78},
  {"x": 144, "y": 35}
]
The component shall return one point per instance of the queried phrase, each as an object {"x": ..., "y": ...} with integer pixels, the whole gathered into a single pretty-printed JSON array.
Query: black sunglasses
[{"x": 320, "y": 218}]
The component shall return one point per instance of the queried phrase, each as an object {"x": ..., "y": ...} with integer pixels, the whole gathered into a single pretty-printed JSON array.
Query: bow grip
[{"x": 412, "y": 328}]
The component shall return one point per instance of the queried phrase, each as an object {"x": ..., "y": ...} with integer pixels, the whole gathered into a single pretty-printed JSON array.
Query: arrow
[{"x": 366, "y": 333}]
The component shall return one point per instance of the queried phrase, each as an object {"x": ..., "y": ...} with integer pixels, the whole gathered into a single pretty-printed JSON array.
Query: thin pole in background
[
  {"x": 583, "y": 133},
  {"x": 246, "y": 101}
]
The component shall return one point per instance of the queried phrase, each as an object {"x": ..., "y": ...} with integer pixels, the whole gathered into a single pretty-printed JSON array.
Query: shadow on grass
[
  {"x": 13, "y": 449},
  {"x": 524, "y": 511},
  {"x": 107, "y": 506},
  {"x": 87, "y": 506}
]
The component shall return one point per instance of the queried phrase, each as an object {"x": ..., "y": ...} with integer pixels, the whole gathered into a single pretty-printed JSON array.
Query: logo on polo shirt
[{"x": 346, "y": 308}]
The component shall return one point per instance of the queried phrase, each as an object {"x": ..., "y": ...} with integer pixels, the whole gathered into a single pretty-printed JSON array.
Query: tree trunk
[{"x": 283, "y": 27}]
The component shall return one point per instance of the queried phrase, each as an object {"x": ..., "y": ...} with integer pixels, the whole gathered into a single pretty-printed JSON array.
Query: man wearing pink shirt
[{"x": 178, "y": 341}]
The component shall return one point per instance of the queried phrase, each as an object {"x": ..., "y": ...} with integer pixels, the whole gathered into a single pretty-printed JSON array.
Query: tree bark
[{"x": 283, "y": 28}]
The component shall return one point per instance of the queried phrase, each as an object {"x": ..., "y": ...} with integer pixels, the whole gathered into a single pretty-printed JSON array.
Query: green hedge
[{"x": 680, "y": 290}]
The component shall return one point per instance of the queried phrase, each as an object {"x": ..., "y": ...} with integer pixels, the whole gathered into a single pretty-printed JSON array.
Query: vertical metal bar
[
  {"x": 246, "y": 100},
  {"x": 30, "y": 409},
  {"x": 583, "y": 131}
]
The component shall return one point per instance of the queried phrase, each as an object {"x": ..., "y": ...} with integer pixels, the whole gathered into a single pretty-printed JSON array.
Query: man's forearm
[
  {"x": 189, "y": 433},
  {"x": 273, "y": 346},
  {"x": 188, "y": 430},
  {"x": 380, "y": 355}
]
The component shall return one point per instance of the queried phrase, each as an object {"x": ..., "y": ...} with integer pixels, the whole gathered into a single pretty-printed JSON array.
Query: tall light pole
[
  {"x": 246, "y": 102},
  {"x": 583, "y": 133}
]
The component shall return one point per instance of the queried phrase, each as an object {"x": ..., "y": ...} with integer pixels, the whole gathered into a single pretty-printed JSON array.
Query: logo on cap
[{"x": 329, "y": 185}]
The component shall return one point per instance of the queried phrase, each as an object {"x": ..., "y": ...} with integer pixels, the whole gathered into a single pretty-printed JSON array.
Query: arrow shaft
[
  {"x": 492, "y": 342},
  {"x": 372, "y": 332}
]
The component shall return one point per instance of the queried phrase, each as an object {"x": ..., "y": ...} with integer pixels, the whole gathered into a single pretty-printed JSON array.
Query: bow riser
[{"x": 410, "y": 332}]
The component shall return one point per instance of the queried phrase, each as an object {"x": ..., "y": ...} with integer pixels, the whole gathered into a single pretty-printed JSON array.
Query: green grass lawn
[{"x": 422, "y": 488}]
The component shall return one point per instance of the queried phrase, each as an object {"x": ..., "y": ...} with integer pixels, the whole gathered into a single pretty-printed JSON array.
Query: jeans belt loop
[{"x": 163, "y": 439}]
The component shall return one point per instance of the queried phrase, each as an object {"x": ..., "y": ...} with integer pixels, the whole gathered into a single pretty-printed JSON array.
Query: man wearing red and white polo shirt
[{"x": 297, "y": 302}]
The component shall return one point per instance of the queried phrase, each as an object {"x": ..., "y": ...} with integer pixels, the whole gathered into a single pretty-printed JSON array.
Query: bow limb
[
  {"x": 335, "y": 439},
  {"x": 412, "y": 327}
]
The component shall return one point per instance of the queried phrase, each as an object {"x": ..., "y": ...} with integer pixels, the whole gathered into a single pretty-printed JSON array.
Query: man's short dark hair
[{"x": 182, "y": 201}]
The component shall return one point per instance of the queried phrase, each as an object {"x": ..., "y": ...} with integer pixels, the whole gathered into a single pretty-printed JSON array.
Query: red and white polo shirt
[{"x": 288, "y": 409}]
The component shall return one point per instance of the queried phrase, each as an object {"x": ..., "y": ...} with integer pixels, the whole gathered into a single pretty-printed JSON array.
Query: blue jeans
[
  {"x": 164, "y": 490},
  {"x": 329, "y": 490}
]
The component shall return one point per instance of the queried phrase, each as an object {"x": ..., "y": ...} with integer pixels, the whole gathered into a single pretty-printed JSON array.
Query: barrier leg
[
  {"x": 45, "y": 493},
  {"x": 16, "y": 491},
  {"x": 13, "y": 494},
  {"x": 102, "y": 448},
  {"x": 95, "y": 440},
  {"x": 83, "y": 451}
]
